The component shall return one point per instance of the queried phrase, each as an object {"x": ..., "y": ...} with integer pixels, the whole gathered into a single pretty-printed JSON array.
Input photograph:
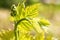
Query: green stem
[{"x": 16, "y": 31}]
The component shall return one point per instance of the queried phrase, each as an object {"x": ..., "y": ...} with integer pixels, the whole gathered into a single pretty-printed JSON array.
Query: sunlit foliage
[{"x": 27, "y": 23}]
